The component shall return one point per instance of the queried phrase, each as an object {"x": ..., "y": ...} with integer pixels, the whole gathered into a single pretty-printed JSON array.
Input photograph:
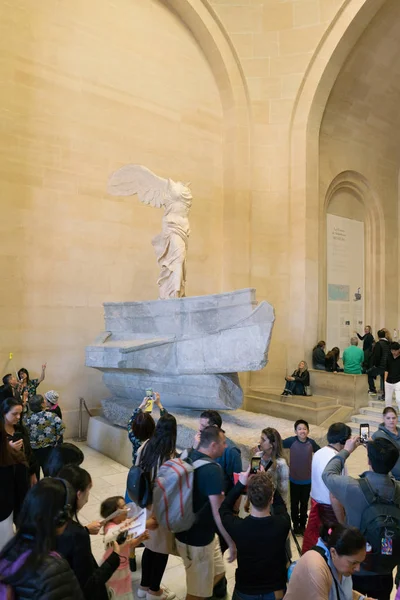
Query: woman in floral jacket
[{"x": 45, "y": 431}]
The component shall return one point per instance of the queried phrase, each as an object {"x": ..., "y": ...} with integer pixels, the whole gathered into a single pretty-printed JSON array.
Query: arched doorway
[{"x": 357, "y": 22}]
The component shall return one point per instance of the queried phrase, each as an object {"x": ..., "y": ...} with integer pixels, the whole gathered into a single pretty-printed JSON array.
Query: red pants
[{"x": 319, "y": 514}]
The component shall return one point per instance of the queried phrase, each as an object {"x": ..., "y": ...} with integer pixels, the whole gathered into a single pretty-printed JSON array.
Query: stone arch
[
  {"x": 307, "y": 245},
  {"x": 374, "y": 223},
  {"x": 207, "y": 29}
]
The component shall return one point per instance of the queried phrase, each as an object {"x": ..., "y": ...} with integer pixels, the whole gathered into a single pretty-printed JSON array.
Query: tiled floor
[{"x": 109, "y": 479}]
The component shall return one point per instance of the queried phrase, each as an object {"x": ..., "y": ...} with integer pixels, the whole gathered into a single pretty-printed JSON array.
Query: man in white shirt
[{"x": 324, "y": 506}]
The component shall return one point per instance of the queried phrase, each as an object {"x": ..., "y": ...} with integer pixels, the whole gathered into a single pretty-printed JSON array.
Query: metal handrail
[{"x": 82, "y": 405}]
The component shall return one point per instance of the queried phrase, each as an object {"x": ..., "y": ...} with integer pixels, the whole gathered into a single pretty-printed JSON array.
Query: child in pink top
[{"x": 120, "y": 584}]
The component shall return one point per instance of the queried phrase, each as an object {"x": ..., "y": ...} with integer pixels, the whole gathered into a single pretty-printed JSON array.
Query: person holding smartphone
[
  {"x": 17, "y": 436},
  {"x": 260, "y": 538}
]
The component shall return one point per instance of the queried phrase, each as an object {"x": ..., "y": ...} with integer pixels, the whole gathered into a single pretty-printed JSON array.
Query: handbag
[{"x": 307, "y": 390}]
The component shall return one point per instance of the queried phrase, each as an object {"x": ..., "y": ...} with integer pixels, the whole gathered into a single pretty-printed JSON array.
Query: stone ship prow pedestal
[{"x": 188, "y": 349}]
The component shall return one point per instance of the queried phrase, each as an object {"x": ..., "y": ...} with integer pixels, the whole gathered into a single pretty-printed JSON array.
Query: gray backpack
[{"x": 173, "y": 493}]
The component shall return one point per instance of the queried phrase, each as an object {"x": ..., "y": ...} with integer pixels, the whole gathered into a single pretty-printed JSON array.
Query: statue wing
[{"x": 136, "y": 179}]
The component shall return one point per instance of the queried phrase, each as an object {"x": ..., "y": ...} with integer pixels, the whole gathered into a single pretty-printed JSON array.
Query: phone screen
[
  {"x": 149, "y": 405},
  {"x": 364, "y": 432},
  {"x": 255, "y": 464}
]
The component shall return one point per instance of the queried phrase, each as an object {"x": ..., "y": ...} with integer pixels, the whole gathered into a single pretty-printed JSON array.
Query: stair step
[
  {"x": 377, "y": 404},
  {"x": 275, "y": 394},
  {"x": 370, "y": 410},
  {"x": 360, "y": 418}
]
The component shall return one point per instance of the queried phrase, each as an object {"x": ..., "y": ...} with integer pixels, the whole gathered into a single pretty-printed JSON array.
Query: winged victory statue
[{"x": 171, "y": 244}]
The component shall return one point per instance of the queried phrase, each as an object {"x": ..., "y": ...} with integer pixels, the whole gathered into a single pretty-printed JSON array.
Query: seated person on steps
[{"x": 298, "y": 381}]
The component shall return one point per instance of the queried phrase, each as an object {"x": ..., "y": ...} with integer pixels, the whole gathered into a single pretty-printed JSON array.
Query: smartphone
[
  {"x": 364, "y": 432},
  {"x": 17, "y": 436},
  {"x": 150, "y": 400},
  {"x": 122, "y": 537},
  {"x": 255, "y": 464}
]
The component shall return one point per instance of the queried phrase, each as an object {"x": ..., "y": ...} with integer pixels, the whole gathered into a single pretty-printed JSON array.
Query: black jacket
[
  {"x": 367, "y": 340},
  {"x": 303, "y": 377},
  {"x": 14, "y": 485},
  {"x": 54, "y": 580},
  {"x": 318, "y": 357},
  {"x": 74, "y": 546},
  {"x": 380, "y": 353},
  {"x": 331, "y": 364}
]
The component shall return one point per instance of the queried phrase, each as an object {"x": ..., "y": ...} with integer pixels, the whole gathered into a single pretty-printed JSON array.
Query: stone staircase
[
  {"x": 316, "y": 409},
  {"x": 371, "y": 414}
]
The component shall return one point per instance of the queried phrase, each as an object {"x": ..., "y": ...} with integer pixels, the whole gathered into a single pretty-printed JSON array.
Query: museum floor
[{"x": 109, "y": 478}]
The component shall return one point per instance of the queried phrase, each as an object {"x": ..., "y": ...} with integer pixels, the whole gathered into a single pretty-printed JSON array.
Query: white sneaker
[
  {"x": 141, "y": 593},
  {"x": 164, "y": 596}
]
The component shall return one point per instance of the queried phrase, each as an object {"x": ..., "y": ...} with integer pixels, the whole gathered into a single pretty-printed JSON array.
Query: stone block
[{"x": 348, "y": 390}]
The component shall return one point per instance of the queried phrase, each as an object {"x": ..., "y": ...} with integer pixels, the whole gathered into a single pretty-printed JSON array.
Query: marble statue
[{"x": 171, "y": 244}]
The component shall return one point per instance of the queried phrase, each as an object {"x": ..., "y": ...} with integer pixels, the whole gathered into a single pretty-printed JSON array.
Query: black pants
[
  {"x": 299, "y": 496},
  {"x": 41, "y": 455},
  {"x": 374, "y": 586},
  {"x": 153, "y": 567},
  {"x": 372, "y": 373}
]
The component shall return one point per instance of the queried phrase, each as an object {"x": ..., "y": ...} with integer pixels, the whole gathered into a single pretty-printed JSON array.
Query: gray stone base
[{"x": 183, "y": 391}]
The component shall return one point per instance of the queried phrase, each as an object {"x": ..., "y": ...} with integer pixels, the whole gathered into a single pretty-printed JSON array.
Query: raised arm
[
  {"x": 43, "y": 374},
  {"x": 339, "y": 485}
]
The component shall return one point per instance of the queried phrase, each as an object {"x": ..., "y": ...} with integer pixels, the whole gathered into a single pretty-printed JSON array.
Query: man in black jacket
[
  {"x": 379, "y": 359},
  {"x": 260, "y": 538}
]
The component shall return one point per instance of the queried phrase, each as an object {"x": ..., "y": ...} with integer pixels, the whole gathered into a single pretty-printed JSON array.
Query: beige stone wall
[
  {"x": 86, "y": 88},
  {"x": 229, "y": 94},
  {"x": 360, "y": 131}
]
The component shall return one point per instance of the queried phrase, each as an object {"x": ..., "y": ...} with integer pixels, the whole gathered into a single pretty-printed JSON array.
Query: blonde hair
[{"x": 305, "y": 368}]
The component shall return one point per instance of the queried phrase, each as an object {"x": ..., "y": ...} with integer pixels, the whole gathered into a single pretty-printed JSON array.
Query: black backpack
[
  {"x": 380, "y": 525},
  {"x": 139, "y": 486}
]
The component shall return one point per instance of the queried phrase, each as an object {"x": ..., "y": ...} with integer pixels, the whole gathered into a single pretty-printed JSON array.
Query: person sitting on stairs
[{"x": 298, "y": 381}]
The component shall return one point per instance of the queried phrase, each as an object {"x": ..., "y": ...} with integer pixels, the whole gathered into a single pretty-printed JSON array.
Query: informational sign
[{"x": 345, "y": 279}]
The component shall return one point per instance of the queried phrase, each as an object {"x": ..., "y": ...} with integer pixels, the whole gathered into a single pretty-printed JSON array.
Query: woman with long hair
[
  {"x": 272, "y": 460},
  {"x": 74, "y": 543},
  {"x": 299, "y": 380},
  {"x": 11, "y": 410},
  {"x": 325, "y": 571},
  {"x": 29, "y": 564},
  {"x": 151, "y": 455},
  {"x": 331, "y": 360},
  {"x": 14, "y": 485},
  {"x": 31, "y": 385}
]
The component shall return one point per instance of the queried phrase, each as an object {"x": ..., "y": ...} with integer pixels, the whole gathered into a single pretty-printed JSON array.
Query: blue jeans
[
  {"x": 319, "y": 367},
  {"x": 239, "y": 596},
  {"x": 295, "y": 387}
]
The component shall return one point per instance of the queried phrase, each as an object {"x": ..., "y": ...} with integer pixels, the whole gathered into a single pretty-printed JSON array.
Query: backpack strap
[
  {"x": 367, "y": 490},
  {"x": 200, "y": 462},
  {"x": 371, "y": 495},
  {"x": 322, "y": 553}
]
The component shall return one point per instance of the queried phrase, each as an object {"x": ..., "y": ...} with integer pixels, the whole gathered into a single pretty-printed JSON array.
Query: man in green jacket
[{"x": 353, "y": 358}]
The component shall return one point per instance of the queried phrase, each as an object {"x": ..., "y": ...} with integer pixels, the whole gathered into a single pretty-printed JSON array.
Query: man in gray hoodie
[{"x": 382, "y": 457}]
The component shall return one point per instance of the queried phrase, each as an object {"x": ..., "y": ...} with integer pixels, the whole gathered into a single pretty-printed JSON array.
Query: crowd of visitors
[
  {"x": 378, "y": 358},
  {"x": 351, "y": 536}
]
